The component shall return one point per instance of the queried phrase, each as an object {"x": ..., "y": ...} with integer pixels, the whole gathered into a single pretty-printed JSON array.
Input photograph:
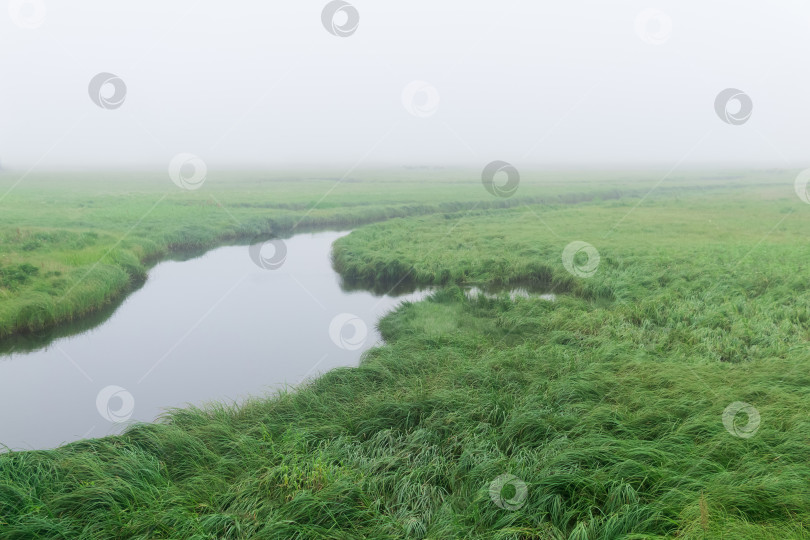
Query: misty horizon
[{"x": 250, "y": 85}]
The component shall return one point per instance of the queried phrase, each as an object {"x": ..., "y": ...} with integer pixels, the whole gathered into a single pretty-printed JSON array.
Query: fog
[{"x": 267, "y": 84}]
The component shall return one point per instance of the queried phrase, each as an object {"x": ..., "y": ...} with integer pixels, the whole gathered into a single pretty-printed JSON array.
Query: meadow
[
  {"x": 73, "y": 244},
  {"x": 606, "y": 405}
]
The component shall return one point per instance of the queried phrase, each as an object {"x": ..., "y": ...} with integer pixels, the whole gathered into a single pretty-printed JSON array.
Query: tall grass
[{"x": 606, "y": 403}]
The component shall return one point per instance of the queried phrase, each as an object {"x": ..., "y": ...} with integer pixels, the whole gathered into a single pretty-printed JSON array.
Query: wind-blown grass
[{"x": 606, "y": 403}]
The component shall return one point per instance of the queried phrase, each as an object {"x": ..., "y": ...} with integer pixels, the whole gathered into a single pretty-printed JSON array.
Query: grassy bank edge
[{"x": 125, "y": 268}]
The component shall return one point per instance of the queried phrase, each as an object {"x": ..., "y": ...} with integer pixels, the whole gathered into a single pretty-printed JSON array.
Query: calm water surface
[{"x": 214, "y": 328}]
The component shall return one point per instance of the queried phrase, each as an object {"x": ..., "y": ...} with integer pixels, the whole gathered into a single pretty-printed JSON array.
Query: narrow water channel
[{"x": 215, "y": 328}]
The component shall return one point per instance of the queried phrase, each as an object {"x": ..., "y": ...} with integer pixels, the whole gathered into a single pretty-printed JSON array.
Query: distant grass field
[
  {"x": 607, "y": 404},
  {"x": 71, "y": 244}
]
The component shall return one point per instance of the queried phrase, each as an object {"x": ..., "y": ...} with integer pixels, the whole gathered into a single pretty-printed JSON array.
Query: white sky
[{"x": 262, "y": 83}]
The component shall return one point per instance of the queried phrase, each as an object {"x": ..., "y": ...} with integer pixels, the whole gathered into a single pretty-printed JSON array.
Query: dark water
[{"x": 214, "y": 328}]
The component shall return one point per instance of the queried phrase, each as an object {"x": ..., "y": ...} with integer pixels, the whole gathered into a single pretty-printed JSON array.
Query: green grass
[
  {"x": 92, "y": 238},
  {"x": 607, "y": 403}
]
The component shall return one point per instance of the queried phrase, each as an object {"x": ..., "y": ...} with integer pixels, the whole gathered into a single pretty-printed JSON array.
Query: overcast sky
[{"x": 264, "y": 83}]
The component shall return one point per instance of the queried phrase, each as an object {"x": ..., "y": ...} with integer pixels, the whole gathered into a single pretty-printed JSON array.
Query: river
[{"x": 216, "y": 328}]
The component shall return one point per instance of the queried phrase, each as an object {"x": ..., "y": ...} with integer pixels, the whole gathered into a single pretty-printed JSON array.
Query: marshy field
[
  {"x": 458, "y": 270},
  {"x": 659, "y": 393}
]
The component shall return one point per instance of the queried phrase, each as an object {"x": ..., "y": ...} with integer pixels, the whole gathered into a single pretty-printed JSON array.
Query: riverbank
[
  {"x": 68, "y": 253},
  {"x": 73, "y": 245},
  {"x": 608, "y": 408}
]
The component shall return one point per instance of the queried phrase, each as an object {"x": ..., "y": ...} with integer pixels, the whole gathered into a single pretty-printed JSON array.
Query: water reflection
[{"x": 212, "y": 328}]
